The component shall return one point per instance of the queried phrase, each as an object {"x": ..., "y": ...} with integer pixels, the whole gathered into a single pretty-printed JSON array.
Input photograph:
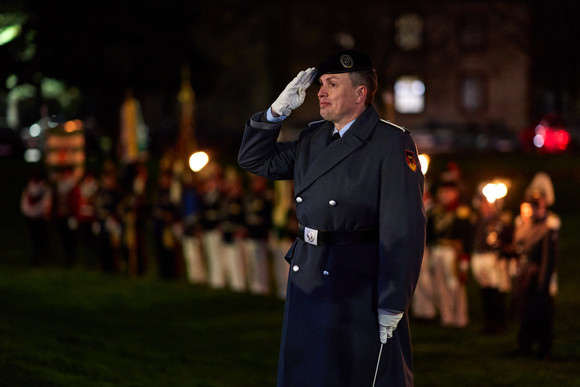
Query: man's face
[
  {"x": 340, "y": 102},
  {"x": 447, "y": 195}
]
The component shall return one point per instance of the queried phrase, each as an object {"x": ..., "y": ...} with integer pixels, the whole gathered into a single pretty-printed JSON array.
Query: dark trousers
[
  {"x": 494, "y": 310},
  {"x": 540, "y": 332}
]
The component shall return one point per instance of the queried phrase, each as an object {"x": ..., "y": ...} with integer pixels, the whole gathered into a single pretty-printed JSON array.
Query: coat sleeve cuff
[{"x": 259, "y": 121}]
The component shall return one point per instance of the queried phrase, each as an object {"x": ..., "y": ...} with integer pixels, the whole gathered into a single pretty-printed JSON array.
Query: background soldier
[
  {"x": 448, "y": 237},
  {"x": 258, "y": 222},
  {"x": 492, "y": 233},
  {"x": 536, "y": 243}
]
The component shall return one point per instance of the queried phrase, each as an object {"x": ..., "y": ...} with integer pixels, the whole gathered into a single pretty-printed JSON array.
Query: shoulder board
[
  {"x": 314, "y": 123},
  {"x": 402, "y": 128},
  {"x": 553, "y": 221}
]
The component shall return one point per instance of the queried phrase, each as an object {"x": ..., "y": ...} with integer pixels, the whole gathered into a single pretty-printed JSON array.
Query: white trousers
[
  {"x": 194, "y": 262},
  {"x": 212, "y": 241},
  {"x": 485, "y": 269},
  {"x": 450, "y": 294},
  {"x": 233, "y": 266},
  {"x": 257, "y": 268},
  {"x": 423, "y": 305},
  {"x": 280, "y": 266}
]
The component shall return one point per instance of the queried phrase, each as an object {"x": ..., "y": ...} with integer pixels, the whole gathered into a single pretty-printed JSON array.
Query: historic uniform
[
  {"x": 492, "y": 233},
  {"x": 536, "y": 242},
  {"x": 36, "y": 205},
  {"x": 109, "y": 237},
  {"x": 211, "y": 238},
  {"x": 423, "y": 306},
  {"x": 285, "y": 232},
  {"x": 359, "y": 205},
  {"x": 191, "y": 240},
  {"x": 448, "y": 240},
  {"x": 232, "y": 226},
  {"x": 258, "y": 222}
]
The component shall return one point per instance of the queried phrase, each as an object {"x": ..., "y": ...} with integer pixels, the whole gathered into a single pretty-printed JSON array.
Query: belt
[{"x": 338, "y": 238}]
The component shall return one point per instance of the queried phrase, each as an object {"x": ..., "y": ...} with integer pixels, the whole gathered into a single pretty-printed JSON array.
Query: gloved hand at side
[
  {"x": 294, "y": 93},
  {"x": 388, "y": 321}
]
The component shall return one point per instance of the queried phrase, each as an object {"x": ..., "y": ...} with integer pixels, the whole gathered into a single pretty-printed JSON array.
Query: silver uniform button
[
  {"x": 295, "y": 268},
  {"x": 332, "y": 203},
  {"x": 325, "y": 273},
  {"x": 298, "y": 199}
]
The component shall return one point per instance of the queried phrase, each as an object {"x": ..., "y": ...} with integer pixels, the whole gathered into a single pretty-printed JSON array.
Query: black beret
[{"x": 344, "y": 61}]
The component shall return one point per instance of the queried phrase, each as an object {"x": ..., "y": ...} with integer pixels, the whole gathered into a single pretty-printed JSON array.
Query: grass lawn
[
  {"x": 77, "y": 327},
  {"x": 82, "y": 328}
]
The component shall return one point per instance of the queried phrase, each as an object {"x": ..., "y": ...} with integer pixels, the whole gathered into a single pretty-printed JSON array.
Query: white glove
[
  {"x": 387, "y": 324},
  {"x": 294, "y": 93}
]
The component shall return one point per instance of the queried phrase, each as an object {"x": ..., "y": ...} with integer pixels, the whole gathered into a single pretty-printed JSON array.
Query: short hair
[{"x": 367, "y": 78}]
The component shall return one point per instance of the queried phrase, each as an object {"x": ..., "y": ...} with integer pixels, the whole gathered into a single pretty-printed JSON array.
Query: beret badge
[{"x": 346, "y": 61}]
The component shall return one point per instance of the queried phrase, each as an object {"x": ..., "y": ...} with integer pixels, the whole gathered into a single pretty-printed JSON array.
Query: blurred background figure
[
  {"x": 285, "y": 232},
  {"x": 110, "y": 230},
  {"x": 191, "y": 240},
  {"x": 448, "y": 239},
  {"x": 87, "y": 218},
  {"x": 521, "y": 223},
  {"x": 66, "y": 208},
  {"x": 492, "y": 233},
  {"x": 233, "y": 230},
  {"x": 36, "y": 206},
  {"x": 536, "y": 244},
  {"x": 212, "y": 195},
  {"x": 423, "y": 306},
  {"x": 165, "y": 216},
  {"x": 258, "y": 222},
  {"x": 134, "y": 212}
]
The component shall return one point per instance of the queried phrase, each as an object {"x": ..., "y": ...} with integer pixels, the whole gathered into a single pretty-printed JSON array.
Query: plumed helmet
[{"x": 541, "y": 186}]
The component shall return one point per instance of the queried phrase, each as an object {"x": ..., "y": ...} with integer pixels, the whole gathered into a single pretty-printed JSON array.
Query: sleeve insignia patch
[{"x": 410, "y": 157}]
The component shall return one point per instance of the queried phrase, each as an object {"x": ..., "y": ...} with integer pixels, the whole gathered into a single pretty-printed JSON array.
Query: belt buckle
[{"x": 311, "y": 236}]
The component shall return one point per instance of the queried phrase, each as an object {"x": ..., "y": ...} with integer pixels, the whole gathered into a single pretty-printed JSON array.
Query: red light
[
  {"x": 563, "y": 139},
  {"x": 556, "y": 139}
]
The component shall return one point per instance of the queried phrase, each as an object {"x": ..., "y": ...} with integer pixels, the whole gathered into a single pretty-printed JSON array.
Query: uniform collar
[{"x": 325, "y": 158}]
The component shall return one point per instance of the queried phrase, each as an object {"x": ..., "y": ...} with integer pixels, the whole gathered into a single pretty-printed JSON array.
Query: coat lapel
[{"x": 322, "y": 159}]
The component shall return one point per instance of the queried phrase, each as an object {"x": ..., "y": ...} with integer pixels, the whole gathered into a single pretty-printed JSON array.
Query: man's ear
[{"x": 361, "y": 94}]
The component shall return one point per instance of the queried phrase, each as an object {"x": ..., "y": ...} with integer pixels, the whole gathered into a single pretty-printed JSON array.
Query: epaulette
[
  {"x": 314, "y": 123},
  {"x": 402, "y": 128},
  {"x": 553, "y": 221}
]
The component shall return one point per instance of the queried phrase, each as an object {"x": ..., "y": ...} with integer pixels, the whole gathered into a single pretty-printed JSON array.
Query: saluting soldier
[{"x": 358, "y": 198}]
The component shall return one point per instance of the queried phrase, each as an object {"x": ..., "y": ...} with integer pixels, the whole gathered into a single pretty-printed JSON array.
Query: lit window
[
  {"x": 409, "y": 31},
  {"x": 409, "y": 95},
  {"x": 473, "y": 93}
]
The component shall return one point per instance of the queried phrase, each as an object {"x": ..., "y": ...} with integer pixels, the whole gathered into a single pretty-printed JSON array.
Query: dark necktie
[{"x": 335, "y": 136}]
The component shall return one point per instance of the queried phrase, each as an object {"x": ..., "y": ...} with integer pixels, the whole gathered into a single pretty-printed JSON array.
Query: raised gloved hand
[
  {"x": 387, "y": 324},
  {"x": 294, "y": 93}
]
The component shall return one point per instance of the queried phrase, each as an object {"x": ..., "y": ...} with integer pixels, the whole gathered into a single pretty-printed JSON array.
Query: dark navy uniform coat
[{"x": 371, "y": 178}]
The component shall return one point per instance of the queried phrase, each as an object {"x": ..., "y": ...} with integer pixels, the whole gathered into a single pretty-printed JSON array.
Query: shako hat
[{"x": 541, "y": 186}]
